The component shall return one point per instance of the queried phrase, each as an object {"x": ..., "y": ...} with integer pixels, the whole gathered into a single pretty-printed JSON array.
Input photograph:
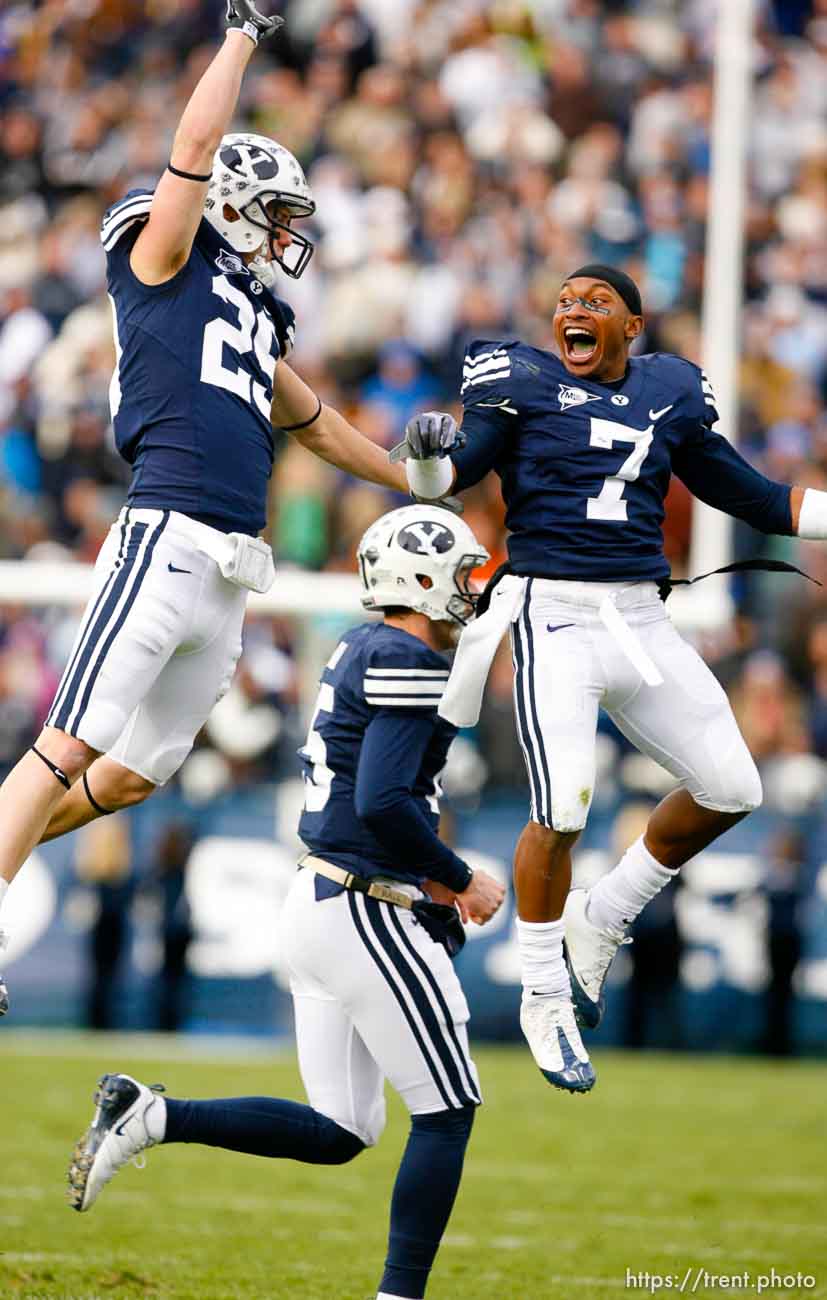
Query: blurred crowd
[{"x": 464, "y": 156}]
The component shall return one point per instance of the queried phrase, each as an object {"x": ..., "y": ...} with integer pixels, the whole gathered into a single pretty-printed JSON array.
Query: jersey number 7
[{"x": 610, "y": 505}]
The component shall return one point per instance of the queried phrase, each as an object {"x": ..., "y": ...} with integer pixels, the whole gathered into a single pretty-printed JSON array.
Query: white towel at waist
[
  {"x": 629, "y": 642},
  {"x": 462, "y": 699}
]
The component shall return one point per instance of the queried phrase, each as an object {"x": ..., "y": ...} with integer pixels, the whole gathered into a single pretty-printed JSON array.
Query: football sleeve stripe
[
  {"x": 483, "y": 359},
  {"x": 119, "y": 210},
  {"x": 487, "y": 368},
  {"x": 407, "y": 672},
  {"x": 376, "y": 686},
  {"x": 113, "y": 229},
  {"x": 404, "y": 701},
  {"x": 485, "y": 379}
]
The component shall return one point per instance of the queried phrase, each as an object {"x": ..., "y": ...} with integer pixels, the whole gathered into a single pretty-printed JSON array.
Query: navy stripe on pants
[
  {"x": 532, "y": 702},
  {"x": 419, "y": 996},
  {"x": 430, "y": 979},
  {"x": 69, "y": 671},
  {"x": 403, "y": 1006},
  {"x": 121, "y": 619}
]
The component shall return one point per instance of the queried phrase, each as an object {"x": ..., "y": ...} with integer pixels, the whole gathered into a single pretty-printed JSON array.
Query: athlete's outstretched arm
[
  {"x": 165, "y": 242},
  {"x": 326, "y": 433},
  {"x": 715, "y": 472}
]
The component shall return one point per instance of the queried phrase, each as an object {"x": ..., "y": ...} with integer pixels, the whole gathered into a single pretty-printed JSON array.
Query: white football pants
[
  {"x": 568, "y": 665},
  {"x": 375, "y": 997},
  {"x": 157, "y": 646}
]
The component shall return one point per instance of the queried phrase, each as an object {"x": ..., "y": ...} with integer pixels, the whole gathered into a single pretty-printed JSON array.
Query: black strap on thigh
[
  {"x": 53, "y": 768},
  {"x": 98, "y": 807},
  {"x": 740, "y": 566}
]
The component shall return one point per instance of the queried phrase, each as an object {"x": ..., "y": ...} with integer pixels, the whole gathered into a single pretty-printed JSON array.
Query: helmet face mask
[
  {"x": 260, "y": 213},
  {"x": 420, "y": 558},
  {"x": 258, "y": 178},
  {"x": 462, "y": 606}
]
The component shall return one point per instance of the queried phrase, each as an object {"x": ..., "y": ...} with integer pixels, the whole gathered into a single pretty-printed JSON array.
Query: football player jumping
[
  {"x": 200, "y": 383},
  {"x": 585, "y": 442},
  {"x": 374, "y": 991}
]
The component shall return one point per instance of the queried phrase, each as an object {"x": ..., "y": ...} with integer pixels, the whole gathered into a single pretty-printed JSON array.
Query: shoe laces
[
  {"x": 608, "y": 943},
  {"x": 561, "y": 1017}
]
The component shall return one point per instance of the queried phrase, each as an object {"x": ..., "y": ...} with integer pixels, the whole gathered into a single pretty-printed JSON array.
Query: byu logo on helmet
[
  {"x": 410, "y": 558},
  {"x": 426, "y": 538},
  {"x": 575, "y": 397},
  {"x": 244, "y": 158},
  {"x": 257, "y": 190}
]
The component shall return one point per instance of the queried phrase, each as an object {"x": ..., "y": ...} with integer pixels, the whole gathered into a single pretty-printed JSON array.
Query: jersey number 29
[{"x": 254, "y": 332}]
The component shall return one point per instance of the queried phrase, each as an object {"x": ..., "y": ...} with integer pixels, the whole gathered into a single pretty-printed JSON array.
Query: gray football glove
[
  {"x": 433, "y": 433},
  {"x": 243, "y": 15}
]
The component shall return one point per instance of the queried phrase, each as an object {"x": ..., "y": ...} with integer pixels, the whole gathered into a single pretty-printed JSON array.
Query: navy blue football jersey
[
  {"x": 193, "y": 386},
  {"x": 373, "y": 756},
  {"x": 585, "y": 467}
]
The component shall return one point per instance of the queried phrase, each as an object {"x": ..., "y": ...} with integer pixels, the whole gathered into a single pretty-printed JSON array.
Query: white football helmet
[
  {"x": 418, "y": 542},
  {"x": 250, "y": 173}
]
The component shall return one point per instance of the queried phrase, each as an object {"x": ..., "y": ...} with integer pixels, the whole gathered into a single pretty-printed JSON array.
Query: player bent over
[
  {"x": 374, "y": 990},
  {"x": 200, "y": 382},
  {"x": 585, "y": 439}
]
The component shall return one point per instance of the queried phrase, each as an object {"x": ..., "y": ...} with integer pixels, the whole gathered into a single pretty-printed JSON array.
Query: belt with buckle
[{"x": 442, "y": 922}]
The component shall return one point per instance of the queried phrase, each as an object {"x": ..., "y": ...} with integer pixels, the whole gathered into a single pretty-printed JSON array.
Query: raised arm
[
  {"x": 321, "y": 429},
  {"x": 165, "y": 243}
]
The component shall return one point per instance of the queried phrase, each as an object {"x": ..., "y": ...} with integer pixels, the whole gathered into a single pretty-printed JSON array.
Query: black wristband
[
  {"x": 99, "y": 808},
  {"x": 291, "y": 428},
  {"x": 189, "y": 176}
]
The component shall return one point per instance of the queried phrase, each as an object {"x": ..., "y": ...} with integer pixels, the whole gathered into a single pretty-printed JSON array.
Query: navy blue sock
[
  {"x": 262, "y": 1126},
  {"x": 423, "y": 1197}
]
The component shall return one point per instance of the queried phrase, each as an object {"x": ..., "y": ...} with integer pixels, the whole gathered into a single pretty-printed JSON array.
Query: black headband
[{"x": 619, "y": 280}]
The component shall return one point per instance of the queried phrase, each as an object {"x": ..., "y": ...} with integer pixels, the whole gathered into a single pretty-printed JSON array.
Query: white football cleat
[
  {"x": 589, "y": 953},
  {"x": 4, "y": 992},
  {"x": 118, "y": 1133},
  {"x": 551, "y": 1029}
]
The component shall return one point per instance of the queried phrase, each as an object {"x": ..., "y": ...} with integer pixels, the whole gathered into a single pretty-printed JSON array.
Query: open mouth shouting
[
  {"x": 594, "y": 327},
  {"x": 579, "y": 345}
]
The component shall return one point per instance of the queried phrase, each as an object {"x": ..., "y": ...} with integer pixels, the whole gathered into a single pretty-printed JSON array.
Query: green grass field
[{"x": 672, "y": 1163}]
